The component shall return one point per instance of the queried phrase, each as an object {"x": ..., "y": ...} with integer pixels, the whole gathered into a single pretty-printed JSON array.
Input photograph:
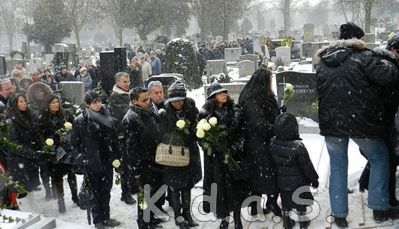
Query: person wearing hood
[
  {"x": 24, "y": 84},
  {"x": 35, "y": 96},
  {"x": 180, "y": 180},
  {"x": 231, "y": 191},
  {"x": 85, "y": 78},
  {"x": 94, "y": 143},
  {"x": 119, "y": 101},
  {"x": 351, "y": 82},
  {"x": 294, "y": 168},
  {"x": 142, "y": 134}
]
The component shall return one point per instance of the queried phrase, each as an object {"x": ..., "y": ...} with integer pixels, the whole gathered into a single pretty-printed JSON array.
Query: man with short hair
[
  {"x": 146, "y": 70},
  {"x": 5, "y": 91},
  {"x": 118, "y": 105},
  {"x": 157, "y": 97},
  {"x": 141, "y": 130},
  {"x": 155, "y": 63},
  {"x": 135, "y": 73},
  {"x": 64, "y": 75}
]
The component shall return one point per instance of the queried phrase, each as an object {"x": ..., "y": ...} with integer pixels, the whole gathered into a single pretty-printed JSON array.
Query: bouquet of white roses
[
  {"x": 214, "y": 135},
  {"x": 116, "y": 164},
  {"x": 184, "y": 126},
  {"x": 288, "y": 92}
]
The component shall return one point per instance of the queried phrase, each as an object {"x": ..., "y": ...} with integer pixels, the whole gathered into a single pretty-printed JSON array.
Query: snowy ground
[{"x": 36, "y": 203}]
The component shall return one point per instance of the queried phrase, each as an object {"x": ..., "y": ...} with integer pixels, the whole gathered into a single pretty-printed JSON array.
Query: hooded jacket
[
  {"x": 351, "y": 81},
  {"x": 294, "y": 167}
]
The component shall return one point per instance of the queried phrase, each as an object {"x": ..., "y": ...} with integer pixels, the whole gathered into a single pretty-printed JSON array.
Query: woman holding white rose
[
  {"x": 179, "y": 122},
  {"x": 53, "y": 118},
  {"x": 220, "y": 109}
]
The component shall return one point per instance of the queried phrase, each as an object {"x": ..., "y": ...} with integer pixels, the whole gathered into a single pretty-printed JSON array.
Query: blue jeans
[{"x": 377, "y": 154}]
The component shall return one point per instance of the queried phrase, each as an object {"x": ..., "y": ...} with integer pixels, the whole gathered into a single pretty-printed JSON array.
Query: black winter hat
[
  {"x": 177, "y": 91},
  {"x": 214, "y": 89},
  {"x": 393, "y": 42},
  {"x": 350, "y": 30},
  {"x": 286, "y": 127}
]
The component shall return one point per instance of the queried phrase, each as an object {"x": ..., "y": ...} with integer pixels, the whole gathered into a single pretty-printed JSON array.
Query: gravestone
[
  {"x": 246, "y": 67},
  {"x": 48, "y": 58},
  {"x": 234, "y": 89},
  {"x": 167, "y": 79},
  {"x": 215, "y": 66},
  {"x": 3, "y": 65},
  {"x": 335, "y": 35},
  {"x": 309, "y": 49},
  {"x": 111, "y": 63},
  {"x": 308, "y": 32},
  {"x": 232, "y": 36},
  {"x": 251, "y": 57},
  {"x": 304, "y": 102},
  {"x": 369, "y": 38},
  {"x": 284, "y": 53},
  {"x": 232, "y": 54},
  {"x": 383, "y": 36},
  {"x": 257, "y": 44},
  {"x": 35, "y": 64},
  {"x": 219, "y": 39},
  {"x": 73, "y": 91}
]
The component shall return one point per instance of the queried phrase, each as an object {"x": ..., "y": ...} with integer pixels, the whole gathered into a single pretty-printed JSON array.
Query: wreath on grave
[
  {"x": 286, "y": 42},
  {"x": 269, "y": 44},
  {"x": 15, "y": 52}
]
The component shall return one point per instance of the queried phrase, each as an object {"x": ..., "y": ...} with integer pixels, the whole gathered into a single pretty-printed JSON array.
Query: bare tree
[
  {"x": 9, "y": 20},
  {"x": 229, "y": 12},
  {"x": 200, "y": 8},
  {"x": 82, "y": 12},
  {"x": 287, "y": 7}
]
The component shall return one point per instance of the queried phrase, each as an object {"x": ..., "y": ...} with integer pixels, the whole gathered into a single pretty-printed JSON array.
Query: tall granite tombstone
[
  {"x": 35, "y": 64},
  {"x": 3, "y": 65},
  {"x": 257, "y": 43},
  {"x": 232, "y": 54},
  {"x": 167, "y": 79},
  {"x": 246, "y": 67},
  {"x": 112, "y": 62},
  {"x": 308, "y": 32},
  {"x": 251, "y": 57},
  {"x": 73, "y": 91},
  {"x": 215, "y": 66},
  {"x": 304, "y": 102},
  {"x": 284, "y": 53}
]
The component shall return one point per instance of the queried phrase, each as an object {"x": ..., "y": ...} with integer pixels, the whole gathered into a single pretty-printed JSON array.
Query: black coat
[
  {"x": 94, "y": 140},
  {"x": 295, "y": 169},
  {"x": 350, "y": 84},
  {"x": 118, "y": 105},
  {"x": 22, "y": 162},
  {"x": 259, "y": 114},
  {"x": 135, "y": 77},
  {"x": 142, "y": 135},
  {"x": 229, "y": 197},
  {"x": 67, "y": 77},
  {"x": 182, "y": 177}
]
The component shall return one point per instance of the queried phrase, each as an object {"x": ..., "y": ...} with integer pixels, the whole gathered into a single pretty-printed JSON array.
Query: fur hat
[
  {"x": 177, "y": 91},
  {"x": 214, "y": 89},
  {"x": 393, "y": 42},
  {"x": 350, "y": 30}
]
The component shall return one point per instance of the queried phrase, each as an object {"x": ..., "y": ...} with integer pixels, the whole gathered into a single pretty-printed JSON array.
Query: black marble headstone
[
  {"x": 3, "y": 66},
  {"x": 304, "y": 102},
  {"x": 111, "y": 63},
  {"x": 166, "y": 79}
]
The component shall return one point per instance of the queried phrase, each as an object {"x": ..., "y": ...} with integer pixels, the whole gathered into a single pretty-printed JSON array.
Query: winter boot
[
  {"x": 186, "y": 202},
  {"x": 99, "y": 226},
  {"x": 74, "y": 187},
  {"x": 111, "y": 223},
  {"x": 303, "y": 220},
  {"x": 61, "y": 205},
  {"x": 237, "y": 219},
  {"x": 288, "y": 223},
  {"x": 272, "y": 205},
  {"x": 341, "y": 222},
  {"x": 380, "y": 216},
  {"x": 128, "y": 199},
  {"x": 224, "y": 224}
]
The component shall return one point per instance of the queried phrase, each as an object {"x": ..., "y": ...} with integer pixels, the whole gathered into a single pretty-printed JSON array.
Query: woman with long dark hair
[
  {"x": 260, "y": 108},
  {"x": 52, "y": 118},
  {"x": 229, "y": 189},
  {"x": 22, "y": 162}
]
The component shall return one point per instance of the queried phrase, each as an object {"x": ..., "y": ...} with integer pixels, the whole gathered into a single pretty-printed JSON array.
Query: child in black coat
[{"x": 295, "y": 169}]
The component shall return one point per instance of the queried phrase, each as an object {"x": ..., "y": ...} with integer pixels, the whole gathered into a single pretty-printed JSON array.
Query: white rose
[
  {"x": 143, "y": 205},
  {"x": 200, "y": 133},
  {"x": 160, "y": 111},
  {"x": 201, "y": 123},
  {"x": 213, "y": 121},
  {"x": 116, "y": 163},
  {"x": 68, "y": 125},
  {"x": 206, "y": 126},
  {"x": 180, "y": 124},
  {"x": 289, "y": 87},
  {"x": 49, "y": 142}
]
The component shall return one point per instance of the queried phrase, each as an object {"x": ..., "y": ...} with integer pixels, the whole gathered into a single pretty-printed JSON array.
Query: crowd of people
[{"x": 357, "y": 90}]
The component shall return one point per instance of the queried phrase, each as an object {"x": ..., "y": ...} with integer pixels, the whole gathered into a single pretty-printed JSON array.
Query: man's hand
[{"x": 137, "y": 177}]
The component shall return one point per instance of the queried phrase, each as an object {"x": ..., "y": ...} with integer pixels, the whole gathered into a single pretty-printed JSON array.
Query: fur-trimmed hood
[
  {"x": 387, "y": 55},
  {"x": 29, "y": 94},
  {"x": 337, "y": 52}
]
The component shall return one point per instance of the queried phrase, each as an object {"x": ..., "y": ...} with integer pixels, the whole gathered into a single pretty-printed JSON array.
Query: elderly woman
[{"x": 181, "y": 180}]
